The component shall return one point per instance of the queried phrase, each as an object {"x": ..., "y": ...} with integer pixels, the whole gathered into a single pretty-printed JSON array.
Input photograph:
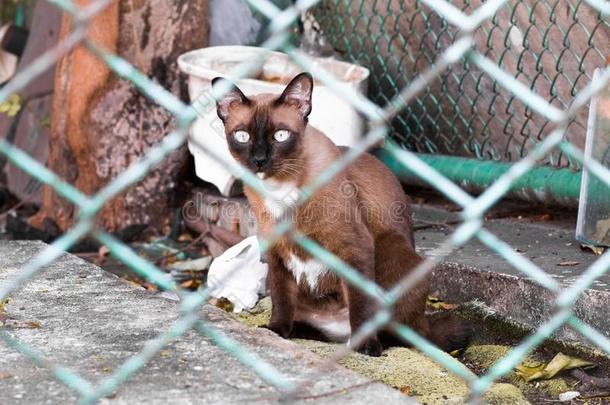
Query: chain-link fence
[
  {"x": 552, "y": 47},
  {"x": 460, "y": 30},
  {"x": 15, "y": 11}
]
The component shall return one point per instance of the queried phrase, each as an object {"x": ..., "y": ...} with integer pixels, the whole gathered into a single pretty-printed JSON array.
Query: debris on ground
[
  {"x": 191, "y": 273},
  {"x": 559, "y": 363},
  {"x": 597, "y": 250},
  {"x": 239, "y": 275}
]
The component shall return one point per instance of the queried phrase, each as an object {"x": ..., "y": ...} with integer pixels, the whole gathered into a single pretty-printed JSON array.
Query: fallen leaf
[
  {"x": 19, "y": 323},
  {"x": 405, "y": 390},
  {"x": 222, "y": 303},
  {"x": 4, "y": 376},
  {"x": 133, "y": 283},
  {"x": 559, "y": 363},
  {"x": 32, "y": 324},
  {"x": 597, "y": 250},
  {"x": 436, "y": 303},
  {"x": 165, "y": 353},
  {"x": 185, "y": 237},
  {"x": 106, "y": 369},
  {"x": 568, "y": 263},
  {"x": 45, "y": 122},
  {"x": 191, "y": 284},
  {"x": 11, "y": 106},
  {"x": 2, "y": 304},
  {"x": 455, "y": 353},
  {"x": 528, "y": 370}
]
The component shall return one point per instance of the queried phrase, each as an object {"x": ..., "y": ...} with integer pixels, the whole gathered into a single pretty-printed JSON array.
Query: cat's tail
[{"x": 449, "y": 332}]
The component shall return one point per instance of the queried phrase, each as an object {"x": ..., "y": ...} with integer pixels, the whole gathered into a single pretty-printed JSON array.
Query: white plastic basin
[{"x": 330, "y": 114}]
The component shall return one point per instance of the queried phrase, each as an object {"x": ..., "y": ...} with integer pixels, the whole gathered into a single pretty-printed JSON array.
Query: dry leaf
[
  {"x": 405, "y": 390},
  {"x": 528, "y": 370},
  {"x": 11, "y": 106},
  {"x": 436, "y": 303},
  {"x": 4, "y": 376},
  {"x": 19, "y": 323},
  {"x": 222, "y": 303},
  {"x": 185, "y": 237},
  {"x": 455, "y": 353},
  {"x": 597, "y": 250},
  {"x": 560, "y": 362},
  {"x": 2, "y": 304},
  {"x": 568, "y": 263},
  {"x": 32, "y": 324}
]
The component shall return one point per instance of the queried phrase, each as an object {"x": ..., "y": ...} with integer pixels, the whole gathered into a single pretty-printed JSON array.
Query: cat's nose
[
  {"x": 260, "y": 162},
  {"x": 259, "y": 159}
]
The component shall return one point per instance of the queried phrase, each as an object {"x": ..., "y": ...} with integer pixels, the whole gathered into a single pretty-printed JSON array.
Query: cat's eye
[
  {"x": 281, "y": 135},
  {"x": 241, "y": 136}
]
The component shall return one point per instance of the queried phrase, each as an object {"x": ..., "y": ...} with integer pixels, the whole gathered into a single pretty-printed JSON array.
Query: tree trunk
[{"x": 101, "y": 124}]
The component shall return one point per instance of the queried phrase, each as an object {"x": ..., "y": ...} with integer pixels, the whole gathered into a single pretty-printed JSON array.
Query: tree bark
[{"x": 101, "y": 124}]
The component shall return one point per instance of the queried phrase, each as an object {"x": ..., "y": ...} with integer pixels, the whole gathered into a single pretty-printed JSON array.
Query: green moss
[
  {"x": 401, "y": 367},
  {"x": 505, "y": 394},
  {"x": 258, "y": 316},
  {"x": 484, "y": 356}
]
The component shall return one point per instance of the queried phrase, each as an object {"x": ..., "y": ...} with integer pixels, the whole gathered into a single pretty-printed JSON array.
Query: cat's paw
[
  {"x": 282, "y": 329},
  {"x": 371, "y": 347}
]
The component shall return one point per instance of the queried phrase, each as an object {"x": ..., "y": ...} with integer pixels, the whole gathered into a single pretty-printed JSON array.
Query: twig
[{"x": 177, "y": 252}]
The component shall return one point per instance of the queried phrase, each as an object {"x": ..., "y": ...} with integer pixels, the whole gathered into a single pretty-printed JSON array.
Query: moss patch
[
  {"x": 258, "y": 316},
  {"x": 401, "y": 368}
]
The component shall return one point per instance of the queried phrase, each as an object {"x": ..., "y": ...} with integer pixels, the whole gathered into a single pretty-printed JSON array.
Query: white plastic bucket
[{"x": 330, "y": 114}]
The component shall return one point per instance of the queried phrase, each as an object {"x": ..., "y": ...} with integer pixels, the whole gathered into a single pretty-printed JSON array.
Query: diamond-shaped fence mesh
[
  {"x": 552, "y": 47},
  {"x": 468, "y": 75}
]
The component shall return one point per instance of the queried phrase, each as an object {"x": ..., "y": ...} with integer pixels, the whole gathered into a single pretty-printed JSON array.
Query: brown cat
[{"x": 362, "y": 216}]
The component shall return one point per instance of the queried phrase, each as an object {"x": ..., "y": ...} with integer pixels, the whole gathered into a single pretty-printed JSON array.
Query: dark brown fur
[{"x": 362, "y": 216}]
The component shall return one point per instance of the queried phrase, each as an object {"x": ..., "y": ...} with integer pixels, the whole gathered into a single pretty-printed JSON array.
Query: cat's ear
[
  {"x": 298, "y": 93},
  {"x": 223, "y": 103}
]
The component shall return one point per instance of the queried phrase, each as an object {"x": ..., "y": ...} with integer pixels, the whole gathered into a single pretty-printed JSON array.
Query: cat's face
[{"x": 265, "y": 132}]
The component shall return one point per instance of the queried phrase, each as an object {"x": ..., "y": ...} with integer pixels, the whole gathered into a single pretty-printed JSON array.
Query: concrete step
[
  {"x": 79, "y": 316},
  {"x": 475, "y": 272}
]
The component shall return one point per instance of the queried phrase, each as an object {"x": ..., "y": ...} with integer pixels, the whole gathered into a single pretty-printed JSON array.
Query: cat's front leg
[{"x": 282, "y": 289}]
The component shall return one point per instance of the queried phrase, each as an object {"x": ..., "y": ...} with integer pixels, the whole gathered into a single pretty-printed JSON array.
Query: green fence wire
[
  {"x": 460, "y": 28},
  {"x": 551, "y": 46}
]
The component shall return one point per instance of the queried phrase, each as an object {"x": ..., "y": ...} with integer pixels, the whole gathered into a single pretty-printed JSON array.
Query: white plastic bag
[{"x": 239, "y": 275}]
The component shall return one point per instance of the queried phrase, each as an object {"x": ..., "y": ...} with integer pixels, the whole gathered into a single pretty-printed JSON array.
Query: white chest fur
[
  {"x": 311, "y": 269},
  {"x": 283, "y": 194}
]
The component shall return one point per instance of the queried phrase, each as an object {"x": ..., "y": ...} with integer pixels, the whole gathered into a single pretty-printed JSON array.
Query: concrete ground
[
  {"x": 475, "y": 272},
  {"x": 78, "y": 316}
]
